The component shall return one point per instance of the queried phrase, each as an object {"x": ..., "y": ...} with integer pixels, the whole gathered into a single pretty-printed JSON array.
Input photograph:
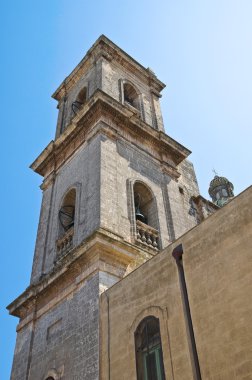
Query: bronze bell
[
  {"x": 66, "y": 217},
  {"x": 138, "y": 213}
]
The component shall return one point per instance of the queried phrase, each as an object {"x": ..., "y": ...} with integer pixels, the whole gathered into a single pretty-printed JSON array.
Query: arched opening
[
  {"x": 146, "y": 216},
  {"x": 50, "y": 378},
  {"x": 131, "y": 96},
  {"x": 148, "y": 347},
  {"x": 67, "y": 212},
  {"x": 80, "y": 101},
  {"x": 145, "y": 205},
  {"x": 66, "y": 222}
]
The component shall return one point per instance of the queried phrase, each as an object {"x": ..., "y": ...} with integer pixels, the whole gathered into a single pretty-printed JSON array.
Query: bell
[
  {"x": 66, "y": 217},
  {"x": 76, "y": 106},
  {"x": 138, "y": 214}
]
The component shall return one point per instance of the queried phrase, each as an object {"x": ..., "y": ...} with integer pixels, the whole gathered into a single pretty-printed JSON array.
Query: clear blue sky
[{"x": 201, "y": 49}]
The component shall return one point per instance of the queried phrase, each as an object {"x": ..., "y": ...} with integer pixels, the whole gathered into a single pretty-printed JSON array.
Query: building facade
[
  {"x": 117, "y": 191},
  {"x": 217, "y": 265}
]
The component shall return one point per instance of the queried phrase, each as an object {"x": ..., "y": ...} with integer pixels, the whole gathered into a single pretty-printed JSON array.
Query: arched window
[
  {"x": 131, "y": 96},
  {"x": 149, "y": 356},
  {"x": 67, "y": 212},
  {"x": 80, "y": 101},
  {"x": 145, "y": 209},
  {"x": 66, "y": 222},
  {"x": 146, "y": 216},
  {"x": 50, "y": 378}
]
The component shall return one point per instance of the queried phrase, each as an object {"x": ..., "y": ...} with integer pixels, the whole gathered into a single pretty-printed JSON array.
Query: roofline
[{"x": 112, "y": 45}]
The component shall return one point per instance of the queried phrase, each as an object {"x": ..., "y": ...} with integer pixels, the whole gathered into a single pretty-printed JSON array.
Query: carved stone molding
[{"x": 123, "y": 123}]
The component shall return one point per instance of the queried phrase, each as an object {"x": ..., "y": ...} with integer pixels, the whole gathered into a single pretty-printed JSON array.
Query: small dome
[
  {"x": 220, "y": 190},
  {"x": 219, "y": 181}
]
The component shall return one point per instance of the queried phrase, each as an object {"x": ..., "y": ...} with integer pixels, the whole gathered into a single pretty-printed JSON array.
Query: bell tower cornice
[
  {"x": 106, "y": 49},
  {"x": 103, "y": 114},
  {"x": 103, "y": 250}
]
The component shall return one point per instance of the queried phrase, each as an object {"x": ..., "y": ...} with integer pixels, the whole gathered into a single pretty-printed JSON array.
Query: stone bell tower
[{"x": 116, "y": 190}]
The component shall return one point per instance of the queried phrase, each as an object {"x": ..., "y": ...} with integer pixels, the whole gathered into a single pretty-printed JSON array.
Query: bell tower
[{"x": 116, "y": 190}]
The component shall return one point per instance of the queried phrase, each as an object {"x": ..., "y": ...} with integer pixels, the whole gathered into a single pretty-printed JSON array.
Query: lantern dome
[{"x": 220, "y": 190}]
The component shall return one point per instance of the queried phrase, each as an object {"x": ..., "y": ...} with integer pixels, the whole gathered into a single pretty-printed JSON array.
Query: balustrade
[
  {"x": 147, "y": 235},
  {"x": 65, "y": 243}
]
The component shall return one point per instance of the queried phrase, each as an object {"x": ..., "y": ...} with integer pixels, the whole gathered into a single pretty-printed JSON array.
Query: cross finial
[{"x": 215, "y": 172}]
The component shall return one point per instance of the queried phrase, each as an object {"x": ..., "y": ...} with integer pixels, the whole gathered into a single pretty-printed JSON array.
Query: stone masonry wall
[
  {"x": 180, "y": 194},
  {"x": 218, "y": 267},
  {"x": 106, "y": 76},
  {"x": 113, "y": 73},
  {"x": 41, "y": 235},
  {"x": 217, "y": 264},
  {"x": 21, "y": 355},
  {"x": 92, "y": 81},
  {"x": 83, "y": 173},
  {"x": 122, "y": 162},
  {"x": 65, "y": 338},
  {"x": 101, "y": 171},
  {"x": 153, "y": 289}
]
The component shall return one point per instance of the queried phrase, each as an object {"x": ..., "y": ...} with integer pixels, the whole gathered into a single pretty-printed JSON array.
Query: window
[
  {"x": 66, "y": 223},
  {"x": 80, "y": 101},
  {"x": 67, "y": 212},
  {"x": 131, "y": 96},
  {"x": 146, "y": 216},
  {"x": 149, "y": 356},
  {"x": 145, "y": 205}
]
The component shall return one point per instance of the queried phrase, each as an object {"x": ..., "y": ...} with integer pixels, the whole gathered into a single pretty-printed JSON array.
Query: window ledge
[{"x": 132, "y": 108}]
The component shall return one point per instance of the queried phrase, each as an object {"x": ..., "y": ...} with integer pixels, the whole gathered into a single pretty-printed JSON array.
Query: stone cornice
[
  {"x": 199, "y": 199},
  {"x": 103, "y": 246},
  {"x": 105, "y": 48},
  {"x": 119, "y": 122}
]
